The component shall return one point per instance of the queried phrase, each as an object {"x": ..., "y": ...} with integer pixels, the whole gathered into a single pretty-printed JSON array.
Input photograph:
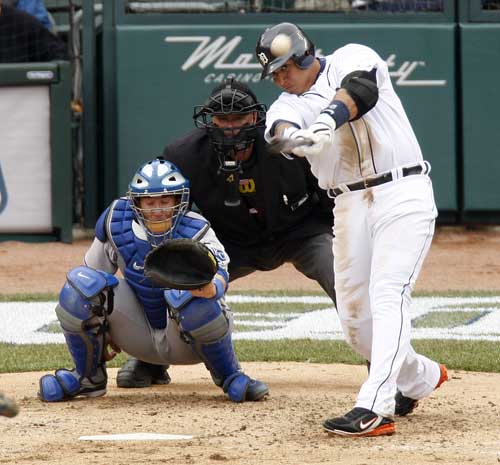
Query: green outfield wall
[
  {"x": 480, "y": 72},
  {"x": 162, "y": 72},
  {"x": 154, "y": 68}
]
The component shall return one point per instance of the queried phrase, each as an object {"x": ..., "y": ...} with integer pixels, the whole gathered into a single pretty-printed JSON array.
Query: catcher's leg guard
[
  {"x": 206, "y": 328},
  {"x": 82, "y": 316}
]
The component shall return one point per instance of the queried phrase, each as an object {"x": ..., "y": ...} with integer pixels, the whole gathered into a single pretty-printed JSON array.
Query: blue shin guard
[
  {"x": 221, "y": 360},
  {"x": 82, "y": 316},
  {"x": 206, "y": 328}
]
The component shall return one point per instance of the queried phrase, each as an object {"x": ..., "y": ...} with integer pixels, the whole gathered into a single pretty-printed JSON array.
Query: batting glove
[{"x": 321, "y": 133}]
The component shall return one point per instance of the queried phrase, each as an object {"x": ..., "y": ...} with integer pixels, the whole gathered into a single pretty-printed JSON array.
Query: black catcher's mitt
[{"x": 180, "y": 264}]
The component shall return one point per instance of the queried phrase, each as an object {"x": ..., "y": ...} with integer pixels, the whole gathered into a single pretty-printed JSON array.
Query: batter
[{"x": 361, "y": 147}]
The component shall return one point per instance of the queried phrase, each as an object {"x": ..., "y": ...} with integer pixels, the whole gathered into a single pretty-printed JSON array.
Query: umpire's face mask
[{"x": 232, "y": 137}]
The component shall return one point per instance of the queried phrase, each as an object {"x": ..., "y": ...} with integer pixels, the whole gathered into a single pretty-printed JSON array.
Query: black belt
[{"x": 381, "y": 179}]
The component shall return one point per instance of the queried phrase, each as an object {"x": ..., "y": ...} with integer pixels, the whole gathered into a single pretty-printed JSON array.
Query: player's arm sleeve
[
  {"x": 354, "y": 57},
  {"x": 356, "y": 71},
  {"x": 101, "y": 256},
  {"x": 281, "y": 112},
  {"x": 213, "y": 243}
]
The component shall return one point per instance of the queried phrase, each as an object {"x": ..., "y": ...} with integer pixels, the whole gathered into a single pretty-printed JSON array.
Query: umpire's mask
[{"x": 231, "y": 115}]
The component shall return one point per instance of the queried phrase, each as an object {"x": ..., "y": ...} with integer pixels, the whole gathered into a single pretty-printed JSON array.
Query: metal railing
[{"x": 285, "y": 6}]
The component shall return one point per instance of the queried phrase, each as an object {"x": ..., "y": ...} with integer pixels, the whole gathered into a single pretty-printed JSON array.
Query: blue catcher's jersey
[{"x": 117, "y": 225}]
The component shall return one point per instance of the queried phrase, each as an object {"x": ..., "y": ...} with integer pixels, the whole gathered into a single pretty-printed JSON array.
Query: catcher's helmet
[
  {"x": 230, "y": 98},
  {"x": 158, "y": 178},
  {"x": 279, "y": 43}
]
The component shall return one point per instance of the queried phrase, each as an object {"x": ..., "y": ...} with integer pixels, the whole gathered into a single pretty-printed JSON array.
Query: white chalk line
[{"x": 136, "y": 437}]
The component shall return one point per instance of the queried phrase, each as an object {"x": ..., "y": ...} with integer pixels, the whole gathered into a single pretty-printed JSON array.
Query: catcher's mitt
[{"x": 180, "y": 264}]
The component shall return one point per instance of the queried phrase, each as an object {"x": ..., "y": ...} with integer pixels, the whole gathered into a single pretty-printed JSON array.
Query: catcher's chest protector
[{"x": 134, "y": 250}]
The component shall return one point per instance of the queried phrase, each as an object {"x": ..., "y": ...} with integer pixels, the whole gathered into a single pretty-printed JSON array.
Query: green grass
[
  {"x": 445, "y": 319},
  {"x": 29, "y": 298},
  {"x": 275, "y": 307},
  {"x": 458, "y": 355}
]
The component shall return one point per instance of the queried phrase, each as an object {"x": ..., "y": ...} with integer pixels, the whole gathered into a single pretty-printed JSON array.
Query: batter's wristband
[
  {"x": 220, "y": 287},
  {"x": 338, "y": 111}
]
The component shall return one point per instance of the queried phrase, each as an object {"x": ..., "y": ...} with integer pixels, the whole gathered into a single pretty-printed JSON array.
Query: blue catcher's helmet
[{"x": 150, "y": 192}]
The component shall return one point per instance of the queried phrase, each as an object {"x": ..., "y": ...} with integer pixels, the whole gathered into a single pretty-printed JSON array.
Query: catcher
[{"x": 146, "y": 235}]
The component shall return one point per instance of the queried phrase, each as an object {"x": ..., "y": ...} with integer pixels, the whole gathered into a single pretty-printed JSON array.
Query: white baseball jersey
[{"x": 379, "y": 141}]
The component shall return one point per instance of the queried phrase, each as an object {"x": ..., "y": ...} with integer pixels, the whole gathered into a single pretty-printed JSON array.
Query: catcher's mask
[
  {"x": 158, "y": 215},
  {"x": 291, "y": 42},
  {"x": 228, "y": 101}
]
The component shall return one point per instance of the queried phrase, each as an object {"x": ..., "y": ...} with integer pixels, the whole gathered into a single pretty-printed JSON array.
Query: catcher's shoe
[
  {"x": 360, "y": 422},
  {"x": 138, "y": 374},
  {"x": 256, "y": 390},
  {"x": 406, "y": 405},
  {"x": 8, "y": 408},
  {"x": 67, "y": 384}
]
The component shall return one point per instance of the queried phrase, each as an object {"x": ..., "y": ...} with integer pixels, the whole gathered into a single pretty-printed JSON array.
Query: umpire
[{"x": 266, "y": 210}]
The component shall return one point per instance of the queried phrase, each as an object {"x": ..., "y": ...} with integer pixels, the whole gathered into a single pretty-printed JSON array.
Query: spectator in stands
[
  {"x": 24, "y": 39},
  {"x": 36, "y": 8}
]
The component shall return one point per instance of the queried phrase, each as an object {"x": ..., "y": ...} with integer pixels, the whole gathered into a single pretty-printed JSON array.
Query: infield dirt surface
[{"x": 457, "y": 424}]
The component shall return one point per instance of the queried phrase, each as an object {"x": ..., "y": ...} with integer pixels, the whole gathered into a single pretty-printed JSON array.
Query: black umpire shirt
[
  {"x": 24, "y": 39},
  {"x": 280, "y": 198}
]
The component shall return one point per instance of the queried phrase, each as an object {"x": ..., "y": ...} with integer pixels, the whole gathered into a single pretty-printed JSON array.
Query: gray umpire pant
[{"x": 312, "y": 256}]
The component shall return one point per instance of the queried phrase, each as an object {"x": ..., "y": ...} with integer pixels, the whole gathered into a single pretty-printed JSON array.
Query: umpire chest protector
[{"x": 117, "y": 226}]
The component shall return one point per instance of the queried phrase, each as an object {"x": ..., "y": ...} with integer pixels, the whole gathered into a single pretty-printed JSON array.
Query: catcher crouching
[{"x": 168, "y": 309}]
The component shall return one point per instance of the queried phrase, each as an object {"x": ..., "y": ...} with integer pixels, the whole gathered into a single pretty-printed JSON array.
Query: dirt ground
[
  {"x": 457, "y": 424},
  {"x": 458, "y": 260}
]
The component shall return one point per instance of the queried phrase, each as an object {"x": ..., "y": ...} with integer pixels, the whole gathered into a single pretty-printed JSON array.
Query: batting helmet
[
  {"x": 230, "y": 98},
  {"x": 279, "y": 43},
  {"x": 157, "y": 178}
]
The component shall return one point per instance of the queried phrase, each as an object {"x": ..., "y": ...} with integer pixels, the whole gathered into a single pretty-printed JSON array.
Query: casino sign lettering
[{"x": 216, "y": 52}]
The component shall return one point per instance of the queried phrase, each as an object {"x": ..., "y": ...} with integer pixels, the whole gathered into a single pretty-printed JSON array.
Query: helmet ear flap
[{"x": 305, "y": 61}]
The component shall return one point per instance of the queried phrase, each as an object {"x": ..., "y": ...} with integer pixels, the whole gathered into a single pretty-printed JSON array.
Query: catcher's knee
[
  {"x": 202, "y": 320},
  {"x": 83, "y": 296}
]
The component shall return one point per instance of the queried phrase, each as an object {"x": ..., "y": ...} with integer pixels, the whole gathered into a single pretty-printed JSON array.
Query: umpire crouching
[{"x": 266, "y": 210}]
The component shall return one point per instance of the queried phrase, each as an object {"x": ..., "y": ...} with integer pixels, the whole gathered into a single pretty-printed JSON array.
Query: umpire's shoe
[
  {"x": 138, "y": 374},
  {"x": 406, "y": 405},
  {"x": 360, "y": 422}
]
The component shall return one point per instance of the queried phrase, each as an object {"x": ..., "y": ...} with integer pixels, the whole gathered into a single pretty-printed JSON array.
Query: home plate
[{"x": 135, "y": 437}]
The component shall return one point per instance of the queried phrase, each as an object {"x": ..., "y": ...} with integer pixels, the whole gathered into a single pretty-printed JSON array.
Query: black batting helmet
[{"x": 279, "y": 43}]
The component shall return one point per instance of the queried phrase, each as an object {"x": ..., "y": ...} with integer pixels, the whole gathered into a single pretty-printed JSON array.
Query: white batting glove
[{"x": 321, "y": 133}]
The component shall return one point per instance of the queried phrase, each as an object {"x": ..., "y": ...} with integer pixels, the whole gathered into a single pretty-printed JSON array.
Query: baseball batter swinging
[{"x": 349, "y": 123}]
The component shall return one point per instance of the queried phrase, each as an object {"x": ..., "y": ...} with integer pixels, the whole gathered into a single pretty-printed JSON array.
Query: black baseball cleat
[
  {"x": 406, "y": 405},
  {"x": 138, "y": 374},
  {"x": 360, "y": 422}
]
